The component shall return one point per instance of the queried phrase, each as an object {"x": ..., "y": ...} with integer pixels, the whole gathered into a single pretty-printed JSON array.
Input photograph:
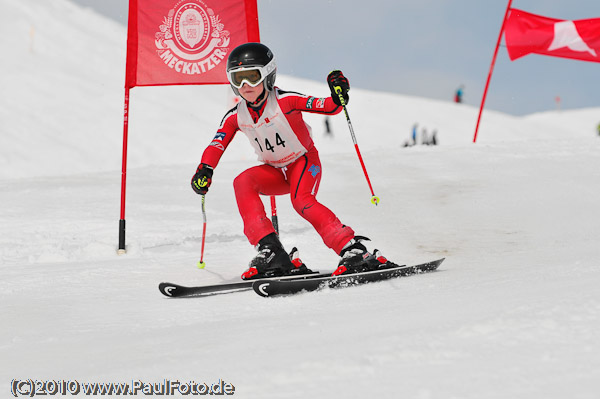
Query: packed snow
[{"x": 513, "y": 312}]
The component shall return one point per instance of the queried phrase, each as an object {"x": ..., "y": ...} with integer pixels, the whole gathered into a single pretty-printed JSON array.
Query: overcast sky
[{"x": 420, "y": 47}]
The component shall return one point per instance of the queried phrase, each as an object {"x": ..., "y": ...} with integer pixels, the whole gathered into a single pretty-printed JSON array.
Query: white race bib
[{"x": 272, "y": 137}]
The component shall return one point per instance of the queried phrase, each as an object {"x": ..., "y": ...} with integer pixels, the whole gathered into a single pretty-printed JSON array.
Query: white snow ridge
[{"x": 513, "y": 312}]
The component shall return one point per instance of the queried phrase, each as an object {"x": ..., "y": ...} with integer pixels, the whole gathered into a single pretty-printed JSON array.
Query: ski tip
[
  {"x": 433, "y": 265},
  {"x": 261, "y": 288},
  {"x": 437, "y": 262},
  {"x": 168, "y": 289}
]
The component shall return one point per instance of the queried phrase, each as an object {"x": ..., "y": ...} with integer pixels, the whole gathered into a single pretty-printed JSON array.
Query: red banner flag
[
  {"x": 177, "y": 42},
  {"x": 527, "y": 33}
]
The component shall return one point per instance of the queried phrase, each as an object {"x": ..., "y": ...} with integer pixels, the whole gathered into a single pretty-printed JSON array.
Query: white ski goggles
[{"x": 253, "y": 76}]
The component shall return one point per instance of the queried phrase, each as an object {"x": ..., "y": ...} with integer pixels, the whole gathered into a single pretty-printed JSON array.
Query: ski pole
[
  {"x": 201, "y": 263},
  {"x": 338, "y": 90},
  {"x": 274, "y": 214}
]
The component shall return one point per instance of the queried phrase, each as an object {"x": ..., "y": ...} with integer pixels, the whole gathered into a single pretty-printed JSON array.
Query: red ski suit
[{"x": 291, "y": 163}]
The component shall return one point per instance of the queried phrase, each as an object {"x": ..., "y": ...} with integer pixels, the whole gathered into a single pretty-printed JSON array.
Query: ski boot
[
  {"x": 385, "y": 264},
  {"x": 356, "y": 258},
  {"x": 273, "y": 261},
  {"x": 299, "y": 266}
]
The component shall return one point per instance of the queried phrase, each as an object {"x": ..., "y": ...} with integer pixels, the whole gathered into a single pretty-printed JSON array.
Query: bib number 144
[{"x": 268, "y": 145}]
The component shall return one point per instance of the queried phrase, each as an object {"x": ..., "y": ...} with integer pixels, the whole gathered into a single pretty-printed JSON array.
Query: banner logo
[{"x": 192, "y": 40}]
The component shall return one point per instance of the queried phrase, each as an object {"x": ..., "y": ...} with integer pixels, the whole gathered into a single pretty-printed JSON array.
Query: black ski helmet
[{"x": 251, "y": 55}]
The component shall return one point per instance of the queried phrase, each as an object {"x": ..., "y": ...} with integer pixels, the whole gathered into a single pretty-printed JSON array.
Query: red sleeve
[
  {"x": 315, "y": 105},
  {"x": 300, "y": 102},
  {"x": 228, "y": 128}
]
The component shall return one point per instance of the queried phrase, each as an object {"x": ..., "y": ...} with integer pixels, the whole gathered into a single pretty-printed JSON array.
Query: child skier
[{"x": 272, "y": 120}]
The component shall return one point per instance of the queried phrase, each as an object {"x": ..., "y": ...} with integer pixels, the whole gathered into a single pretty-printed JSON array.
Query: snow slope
[{"x": 514, "y": 311}]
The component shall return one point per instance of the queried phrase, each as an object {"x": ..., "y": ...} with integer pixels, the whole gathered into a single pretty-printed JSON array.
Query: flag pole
[
  {"x": 122, "y": 249},
  {"x": 491, "y": 70}
]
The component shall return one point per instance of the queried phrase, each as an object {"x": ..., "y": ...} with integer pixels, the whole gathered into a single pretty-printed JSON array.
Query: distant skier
[
  {"x": 458, "y": 96},
  {"x": 414, "y": 134},
  {"x": 272, "y": 120},
  {"x": 328, "y": 131}
]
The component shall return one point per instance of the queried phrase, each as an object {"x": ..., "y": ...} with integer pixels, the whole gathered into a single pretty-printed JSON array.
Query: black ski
[
  {"x": 276, "y": 288},
  {"x": 179, "y": 291}
]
